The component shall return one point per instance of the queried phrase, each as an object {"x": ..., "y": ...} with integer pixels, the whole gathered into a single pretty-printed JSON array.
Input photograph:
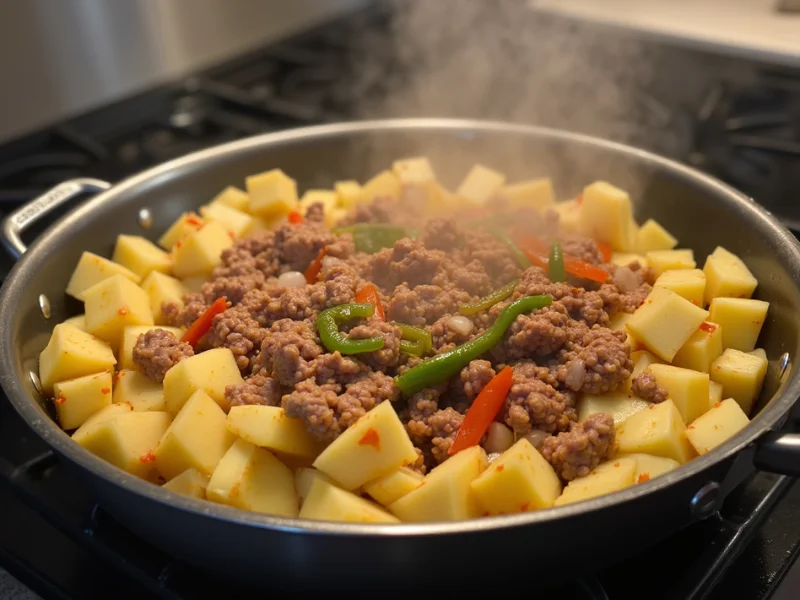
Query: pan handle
[
  {"x": 778, "y": 452},
  {"x": 22, "y": 218}
]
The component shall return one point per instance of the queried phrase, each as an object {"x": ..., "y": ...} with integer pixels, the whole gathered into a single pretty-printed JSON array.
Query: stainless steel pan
[{"x": 277, "y": 552}]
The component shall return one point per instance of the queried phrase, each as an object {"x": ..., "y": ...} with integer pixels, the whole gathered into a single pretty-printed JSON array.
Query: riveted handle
[
  {"x": 778, "y": 452},
  {"x": 22, "y": 218}
]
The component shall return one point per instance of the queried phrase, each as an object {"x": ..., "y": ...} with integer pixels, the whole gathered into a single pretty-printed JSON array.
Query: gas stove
[{"x": 57, "y": 541}]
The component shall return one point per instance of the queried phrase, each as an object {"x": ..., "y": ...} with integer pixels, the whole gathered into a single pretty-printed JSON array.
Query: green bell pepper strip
[
  {"x": 440, "y": 368},
  {"x": 328, "y": 323},
  {"x": 555, "y": 266},
  {"x": 518, "y": 254},
  {"x": 371, "y": 237},
  {"x": 416, "y": 341},
  {"x": 472, "y": 308}
]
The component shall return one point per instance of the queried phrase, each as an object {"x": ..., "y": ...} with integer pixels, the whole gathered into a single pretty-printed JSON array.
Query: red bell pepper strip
[
  {"x": 369, "y": 295},
  {"x": 584, "y": 270},
  {"x": 312, "y": 272},
  {"x": 605, "y": 250},
  {"x": 537, "y": 252},
  {"x": 203, "y": 323},
  {"x": 482, "y": 412},
  {"x": 295, "y": 217}
]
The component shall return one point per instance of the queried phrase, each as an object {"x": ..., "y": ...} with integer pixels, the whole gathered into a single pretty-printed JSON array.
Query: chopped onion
[
  {"x": 499, "y": 438},
  {"x": 626, "y": 280},
  {"x": 328, "y": 262},
  {"x": 576, "y": 374},
  {"x": 460, "y": 325},
  {"x": 493, "y": 456},
  {"x": 292, "y": 279},
  {"x": 536, "y": 437}
]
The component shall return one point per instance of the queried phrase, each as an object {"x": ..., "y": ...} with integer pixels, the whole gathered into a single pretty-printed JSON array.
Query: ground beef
[
  {"x": 176, "y": 315},
  {"x": 424, "y": 304},
  {"x": 475, "y": 376},
  {"x": 605, "y": 360},
  {"x": 288, "y": 351},
  {"x": 315, "y": 213},
  {"x": 336, "y": 368},
  {"x": 495, "y": 257},
  {"x": 232, "y": 288},
  {"x": 615, "y": 301},
  {"x": 298, "y": 245},
  {"x": 408, "y": 261},
  {"x": 275, "y": 303},
  {"x": 534, "y": 403},
  {"x": 470, "y": 277},
  {"x": 258, "y": 389},
  {"x": 380, "y": 210},
  {"x": 237, "y": 330},
  {"x": 576, "y": 452},
  {"x": 582, "y": 305},
  {"x": 645, "y": 386},
  {"x": 582, "y": 248},
  {"x": 441, "y": 234},
  {"x": 389, "y": 355},
  {"x": 157, "y": 351},
  {"x": 444, "y": 338},
  {"x": 249, "y": 255},
  {"x": 539, "y": 334},
  {"x": 431, "y": 429},
  {"x": 338, "y": 286}
]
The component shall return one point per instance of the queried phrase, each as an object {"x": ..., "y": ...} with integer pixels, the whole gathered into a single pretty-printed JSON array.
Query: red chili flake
[
  {"x": 690, "y": 427},
  {"x": 499, "y": 468},
  {"x": 643, "y": 477},
  {"x": 123, "y": 311},
  {"x": 106, "y": 390},
  {"x": 718, "y": 404},
  {"x": 371, "y": 438},
  {"x": 60, "y": 400},
  {"x": 116, "y": 375},
  {"x": 716, "y": 427},
  {"x": 295, "y": 217},
  {"x": 579, "y": 199},
  {"x": 147, "y": 457},
  {"x": 232, "y": 235},
  {"x": 524, "y": 507},
  {"x": 708, "y": 327},
  {"x": 616, "y": 465},
  {"x": 178, "y": 244},
  {"x": 651, "y": 407},
  {"x": 194, "y": 221}
]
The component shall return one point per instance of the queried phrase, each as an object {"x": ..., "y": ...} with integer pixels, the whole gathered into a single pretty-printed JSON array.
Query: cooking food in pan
[{"x": 395, "y": 351}]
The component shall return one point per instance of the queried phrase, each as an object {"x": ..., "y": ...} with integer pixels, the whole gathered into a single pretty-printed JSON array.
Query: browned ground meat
[
  {"x": 298, "y": 245},
  {"x": 236, "y": 329},
  {"x": 157, "y": 351},
  {"x": 431, "y": 429},
  {"x": 645, "y": 386},
  {"x": 576, "y": 452},
  {"x": 232, "y": 288},
  {"x": 581, "y": 248},
  {"x": 409, "y": 262},
  {"x": 380, "y": 210},
  {"x": 444, "y": 337},
  {"x": 258, "y": 389},
  {"x": 601, "y": 355},
  {"x": 539, "y": 334},
  {"x": 423, "y": 304},
  {"x": 582, "y": 305},
  {"x": 182, "y": 316},
  {"x": 389, "y": 355},
  {"x": 441, "y": 234},
  {"x": 534, "y": 403},
  {"x": 475, "y": 376},
  {"x": 288, "y": 351},
  {"x": 494, "y": 256}
]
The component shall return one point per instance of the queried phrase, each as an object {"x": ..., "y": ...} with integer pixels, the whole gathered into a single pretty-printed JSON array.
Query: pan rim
[{"x": 62, "y": 444}]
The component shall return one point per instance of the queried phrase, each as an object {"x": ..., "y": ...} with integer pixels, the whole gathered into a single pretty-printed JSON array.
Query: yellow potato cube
[
  {"x": 384, "y": 185},
  {"x": 688, "y": 389},
  {"x": 446, "y": 492},
  {"x": 718, "y": 425},
  {"x": 130, "y": 335},
  {"x": 235, "y": 221},
  {"x": 701, "y": 349},
  {"x": 78, "y": 321},
  {"x": 624, "y": 259},
  {"x": 161, "y": 288},
  {"x": 211, "y": 371},
  {"x": 329, "y": 200},
  {"x": 480, "y": 184},
  {"x": 394, "y": 486},
  {"x": 272, "y": 194},
  {"x": 714, "y": 393},
  {"x": 375, "y": 445},
  {"x": 138, "y": 391},
  {"x": 619, "y": 322},
  {"x": 78, "y": 399},
  {"x": 659, "y": 430},
  {"x": 727, "y": 276},
  {"x": 326, "y": 502},
  {"x": 90, "y": 427},
  {"x": 270, "y": 428},
  {"x": 336, "y": 216},
  {"x": 114, "y": 304},
  {"x": 190, "y": 483},
  {"x": 251, "y": 478},
  {"x": 519, "y": 480},
  {"x": 414, "y": 170},
  {"x": 665, "y": 322},
  {"x": 569, "y": 216},
  {"x": 611, "y": 476},
  {"x": 304, "y": 478},
  {"x": 193, "y": 284},
  {"x": 607, "y": 214},
  {"x": 687, "y": 283},
  {"x": 198, "y": 254},
  {"x": 641, "y": 360},
  {"x": 348, "y": 193},
  {"x": 741, "y": 376},
  {"x": 662, "y": 261},
  {"x": 196, "y": 438},
  {"x": 93, "y": 269},
  {"x": 649, "y": 467},
  {"x": 233, "y": 197},
  {"x": 619, "y": 405},
  {"x": 741, "y": 320},
  {"x": 72, "y": 353},
  {"x": 652, "y": 236},
  {"x": 140, "y": 255},
  {"x": 127, "y": 441},
  {"x": 535, "y": 193},
  {"x": 184, "y": 226}
]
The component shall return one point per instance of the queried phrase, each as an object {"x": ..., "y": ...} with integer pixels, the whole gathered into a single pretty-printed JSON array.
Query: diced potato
[
  {"x": 375, "y": 445},
  {"x": 272, "y": 194},
  {"x": 480, "y": 184},
  {"x": 129, "y": 337},
  {"x": 741, "y": 376},
  {"x": 184, "y": 226},
  {"x": 659, "y": 430},
  {"x": 727, "y": 276},
  {"x": 326, "y": 502},
  {"x": 414, "y": 170},
  {"x": 662, "y": 261},
  {"x": 652, "y": 237},
  {"x": 304, "y": 478},
  {"x": 193, "y": 284},
  {"x": 251, "y": 478},
  {"x": 688, "y": 389},
  {"x": 198, "y": 254},
  {"x": 127, "y": 441},
  {"x": 623, "y": 259},
  {"x": 235, "y": 221},
  {"x": 72, "y": 353},
  {"x": 719, "y": 424},
  {"x": 519, "y": 480},
  {"x": 619, "y": 405},
  {"x": 384, "y": 185},
  {"x": 607, "y": 214},
  {"x": 336, "y": 216},
  {"x": 714, "y": 393},
  {"x": 649, "y": 467},
  {"x": 93, "y": 269},
  {"x": 348, "y": 192},
  {"x": 211, "y": 371},
  {"x": 114, "y": 304},
  {"x": 394, "y": 486},
  {"x": 78, "y": 321},
  {"x": 665, "y": 322},
  {"x": 619, "y": 322},
  {"x": 197, "y": 438},
  {"x": 607, "y": 478},
  {"x": 140, "y": 255},
  {"x": 687, "y": 283},
  {"x": 161, "y": 288},
  {"x": 534, "y": 193},
  {"x": 641, "y": 360},
  {"x": 233, "y": 197},
  {"x": 701, "y": 349},
  {"x": 741, "y": 320},
  {"x": 569, "y": 215},
  {"x": 329, "y": 200},
  {"x": 78, "y": 399},
  {"x": 446, "y": 492},
  {"x": 759, "y": 352},
  {"x": 269, "y": 427},
  {"x": 90, "y": 426},
  {"x": 138, "y": 391},
  {"x": 191, "y": 483}
]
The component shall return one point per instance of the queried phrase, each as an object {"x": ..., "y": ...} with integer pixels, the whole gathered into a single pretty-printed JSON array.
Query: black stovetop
[{"x": 60, "y": 544}]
